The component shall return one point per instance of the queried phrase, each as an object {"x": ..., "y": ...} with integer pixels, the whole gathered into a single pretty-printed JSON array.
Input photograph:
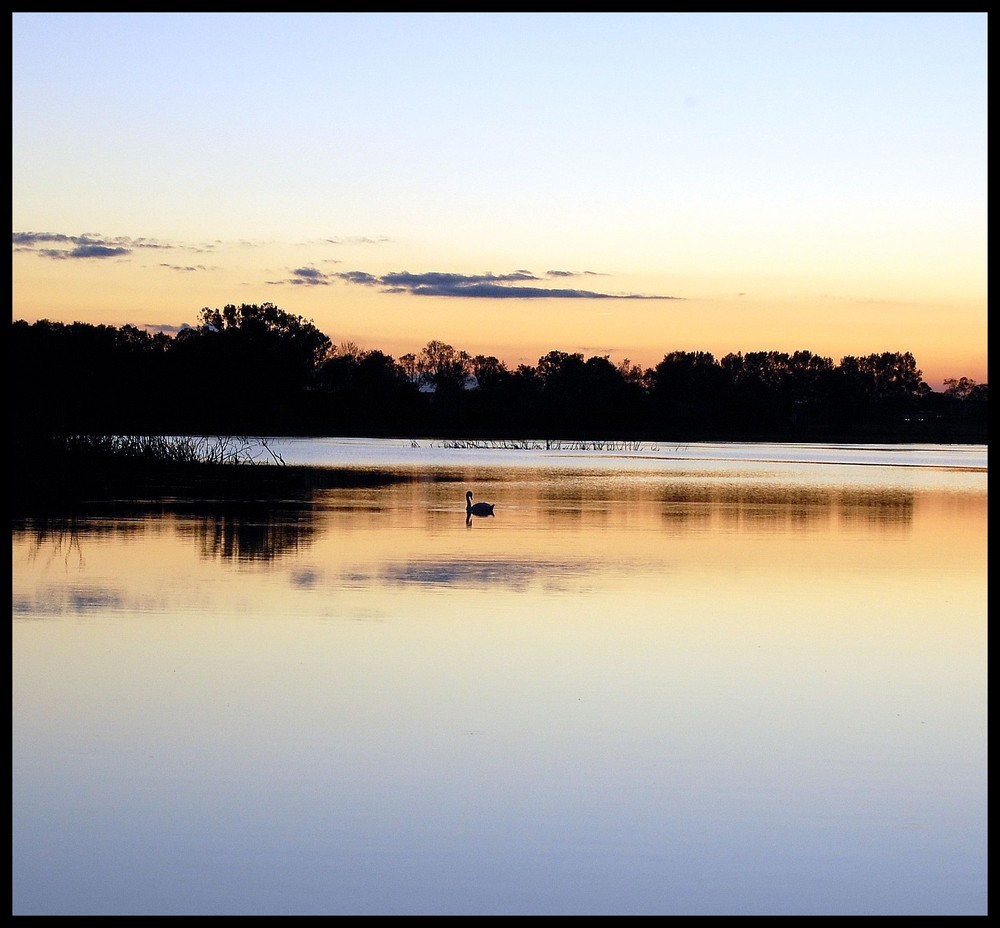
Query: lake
[{"x": 710, "y": 679}]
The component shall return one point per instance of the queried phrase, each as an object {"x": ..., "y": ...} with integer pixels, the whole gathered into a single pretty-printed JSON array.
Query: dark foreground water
[{"x": 711, "y": 679}]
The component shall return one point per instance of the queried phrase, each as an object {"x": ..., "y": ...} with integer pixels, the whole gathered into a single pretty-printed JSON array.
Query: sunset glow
[{"x": 612, "y": 184}]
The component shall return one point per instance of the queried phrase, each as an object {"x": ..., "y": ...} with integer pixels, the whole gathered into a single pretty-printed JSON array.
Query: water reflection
[
  {"x": 265, "y": 529},
  {"x": 509, "y": 574},
  {"x": 721, "y": 691},
  {"x": 250, "y": 533}
]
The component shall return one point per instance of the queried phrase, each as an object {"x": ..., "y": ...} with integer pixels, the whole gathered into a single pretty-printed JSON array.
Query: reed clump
[{"x": 53, "y": 469}]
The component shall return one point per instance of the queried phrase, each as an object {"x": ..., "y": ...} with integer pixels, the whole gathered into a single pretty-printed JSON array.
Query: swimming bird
[{"x": 479, "y": 509}]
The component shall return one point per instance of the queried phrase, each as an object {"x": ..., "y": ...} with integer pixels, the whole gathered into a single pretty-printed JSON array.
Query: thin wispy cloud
[
  {"x": 517, "y": 285},
  {"x": 359, "y": 240},
  {"x": 574, "y": 274},
  {"x": 184, "y": 267}
]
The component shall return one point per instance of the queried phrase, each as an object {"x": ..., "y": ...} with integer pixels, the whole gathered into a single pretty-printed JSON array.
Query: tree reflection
[
  {"x": 252, "y": 532},
  {"x": 785, "y": 507},
  {"x": 262, "y": 514}
]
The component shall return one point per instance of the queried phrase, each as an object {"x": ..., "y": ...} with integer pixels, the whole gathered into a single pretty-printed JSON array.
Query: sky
[{"x": 615, "y": 184}]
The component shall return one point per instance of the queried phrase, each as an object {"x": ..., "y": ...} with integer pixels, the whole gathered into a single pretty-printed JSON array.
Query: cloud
[
  {"x": 51, "y": 600},
  {"x": 90, "y": 250},
  {"x": 310, "y": 276},
  {"x": 514, "y": 574},
  {"x": 517, "y": 285},
  {"x": 483, "y": 286},
  {"x": 305, "y": 277},
  {"x": 359, "y": 277},
  {"x": 30, "y": 239},
  {"x": 80, "y": 246},
  {"x": 167, "y": 329}
]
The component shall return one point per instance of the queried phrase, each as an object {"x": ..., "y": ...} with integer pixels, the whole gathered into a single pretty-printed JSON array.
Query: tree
[
  {"x": 965, "y": 388},
  {"x": 442, "y": 367},
  {"x": 84, "y": 377},
  {"x": 264, "y": 327},
  {"x": 689, "y": 393},
  {"x": 488, "y": 371},
  {"x": 255, "y": 369},
  {"x": 888, "y": 376},
  {"x": 365, "y": 393},
  {"x": 247, "y": 368}
]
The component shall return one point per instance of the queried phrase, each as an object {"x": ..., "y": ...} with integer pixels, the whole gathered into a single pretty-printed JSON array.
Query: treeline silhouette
[{"x": 258, "y": 370}]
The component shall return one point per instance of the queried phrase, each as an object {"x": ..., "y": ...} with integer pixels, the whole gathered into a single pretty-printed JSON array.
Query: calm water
[{"x": 709, "y": 679}]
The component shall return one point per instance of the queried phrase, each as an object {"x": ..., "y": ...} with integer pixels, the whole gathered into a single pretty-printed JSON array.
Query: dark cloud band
[{"x": 483, "y": 286}]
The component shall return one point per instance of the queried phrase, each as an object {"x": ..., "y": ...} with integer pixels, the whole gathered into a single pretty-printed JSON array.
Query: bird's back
[{"x": 477, "y": 509}]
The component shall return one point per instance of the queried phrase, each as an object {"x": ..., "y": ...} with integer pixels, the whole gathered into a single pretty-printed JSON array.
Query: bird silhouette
[{"x": 477, "y": 509}]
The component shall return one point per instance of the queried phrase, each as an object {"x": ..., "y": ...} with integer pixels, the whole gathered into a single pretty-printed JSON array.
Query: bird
[{"x": 479, "y": 509}]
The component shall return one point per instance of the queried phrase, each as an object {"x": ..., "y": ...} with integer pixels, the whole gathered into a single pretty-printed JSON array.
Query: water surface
[{"x": 712, "y": 679}]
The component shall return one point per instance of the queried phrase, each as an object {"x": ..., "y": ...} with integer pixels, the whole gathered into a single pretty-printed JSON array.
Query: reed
[
  {"x": 548, "y": 444},
  {"x": 159, "y": 449}
]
